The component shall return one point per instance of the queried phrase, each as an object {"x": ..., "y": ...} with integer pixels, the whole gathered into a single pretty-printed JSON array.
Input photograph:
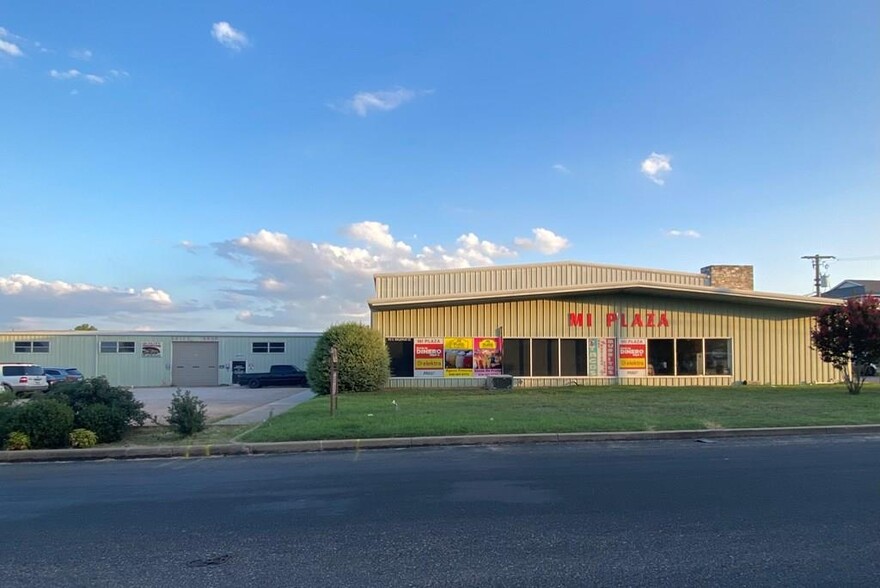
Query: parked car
[
  {"x": 22, "y": 378},
  {"x": 56, "y": 375},
  {"x": 278, "y": 375},
  {"x": 870, "y": 370}
]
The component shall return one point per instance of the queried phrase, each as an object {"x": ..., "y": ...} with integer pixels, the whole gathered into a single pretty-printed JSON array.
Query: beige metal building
[
  {"x": 560, "y": 323},
  {"x": 159, "y": 358}
]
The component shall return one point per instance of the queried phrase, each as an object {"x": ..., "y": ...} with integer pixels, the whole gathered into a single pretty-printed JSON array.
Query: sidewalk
[
  {"x": 259, "y": 414},
  {"x": 95, "y": 453}
]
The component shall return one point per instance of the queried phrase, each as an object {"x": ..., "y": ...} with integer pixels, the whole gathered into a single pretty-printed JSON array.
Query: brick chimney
[{"x": 735, "y": 277}]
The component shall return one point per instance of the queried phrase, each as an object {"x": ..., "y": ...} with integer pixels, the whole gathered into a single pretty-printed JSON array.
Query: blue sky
[{"x": 242, "y": 166}]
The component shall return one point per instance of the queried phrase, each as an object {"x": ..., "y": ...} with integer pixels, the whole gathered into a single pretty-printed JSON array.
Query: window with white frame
[
  {"x": 31, "y": 347},
  {"x": 267, "y": 347},
  {"x": 117, "y": 347}
]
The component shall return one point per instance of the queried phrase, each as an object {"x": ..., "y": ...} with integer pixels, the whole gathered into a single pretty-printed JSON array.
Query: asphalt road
[{"x": 765, "y": 512}]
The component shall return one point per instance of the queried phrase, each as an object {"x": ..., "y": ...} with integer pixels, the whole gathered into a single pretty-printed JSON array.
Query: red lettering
[
  {"x": 650, "y": 319},
  {"x": 589, "y": 319},
  {"x": 623, "y": 320},
  {"x": 664, "y": 322},
  {"x": 610, "y": 318},
  {"x": 576, "y": 319},
  {"x": 637, "y": 321}
]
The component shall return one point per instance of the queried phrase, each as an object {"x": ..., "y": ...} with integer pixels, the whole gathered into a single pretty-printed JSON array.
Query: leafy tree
[
  {"x": 364, "y": 365},
  {"x": 85, "y": 327},
  {"x": 848, "y": 337}
]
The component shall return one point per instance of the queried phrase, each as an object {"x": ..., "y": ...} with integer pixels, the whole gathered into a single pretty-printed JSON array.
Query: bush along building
[
  {"x": 563, "y": 323},
  {"x": 159, "y": 358}
]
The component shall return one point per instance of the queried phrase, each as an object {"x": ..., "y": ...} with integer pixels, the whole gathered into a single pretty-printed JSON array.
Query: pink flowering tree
[{"x": 848, "y": 337}]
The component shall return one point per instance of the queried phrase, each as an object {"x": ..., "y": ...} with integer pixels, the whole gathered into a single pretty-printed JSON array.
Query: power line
[
  {"x": 868, "y": 258},
  {"x": 817, "y": 265}
]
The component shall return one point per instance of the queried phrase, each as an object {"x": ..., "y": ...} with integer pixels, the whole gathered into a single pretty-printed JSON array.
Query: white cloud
[
  {"x": 23, "y": 297},
  {"x": 475, "y": 251},
  {"x": 7, "y": 46},
  {"x": 656, "y": 166},
  {"x": 299, "y": 284},
  {"x": 229, "y": 37},
  {"x": 70, "y": 74},
  {"x": 81, "y": 54},
  {"x": 545, "y": 241},
  {"x": 75, "y": 74},
  {"x": 189, "y": 246},
  {"x": 561, "y": 168},
  {"x": 363, "y": 103},
  {"x": 376, "y": 233},
  {"x": 10, "y": 48},
  {"x": 283, "y": 282},
  {"x": 686, "y": 233}
]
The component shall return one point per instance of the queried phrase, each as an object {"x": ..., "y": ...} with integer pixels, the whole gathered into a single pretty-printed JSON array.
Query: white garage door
[{"x": 195, "y": 363}]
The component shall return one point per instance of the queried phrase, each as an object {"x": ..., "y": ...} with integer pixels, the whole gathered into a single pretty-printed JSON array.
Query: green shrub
[
  {"x": 46, "y": 422},
  {"x": 107, "y": 410},
  {"x": 6, "y": 397},
  {"x": 16, "y": 441},
  {"x": 109, "y": 423},
  {"x": 187, "y": 413},
  {"x": 8, "y": 416},
  {"x": 364, "y": 365},
  {"x": 82, "y": 438}
]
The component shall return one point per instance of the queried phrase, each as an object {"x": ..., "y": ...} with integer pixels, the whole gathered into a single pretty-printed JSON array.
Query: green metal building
[
  {"x": 159, "y": 358},
  {"x": 562, "y": 323}
]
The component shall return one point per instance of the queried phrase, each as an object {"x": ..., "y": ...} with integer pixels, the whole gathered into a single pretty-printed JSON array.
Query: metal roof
[{"x": 674, "y": 290}]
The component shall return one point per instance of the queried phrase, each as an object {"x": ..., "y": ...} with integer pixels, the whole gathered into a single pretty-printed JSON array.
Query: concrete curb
[{"x": 191, "y": 451}]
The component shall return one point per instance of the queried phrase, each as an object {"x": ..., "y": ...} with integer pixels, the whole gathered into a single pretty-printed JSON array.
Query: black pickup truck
[{"x": 278, "y": 375}]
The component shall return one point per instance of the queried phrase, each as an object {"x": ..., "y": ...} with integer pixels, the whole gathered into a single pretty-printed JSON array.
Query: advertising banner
[
  {"x": 487, "y": 356},
  {"x": 633, "y": 354},
  {"x": 428, "y": 358},
  {"x": 459, "y": 357},
  {"x": 151, "y": 350},
  {"x": 601, "y": 357}
]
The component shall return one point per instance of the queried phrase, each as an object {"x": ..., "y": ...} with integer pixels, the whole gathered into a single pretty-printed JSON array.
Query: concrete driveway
[{"x": 246, "y": 405}]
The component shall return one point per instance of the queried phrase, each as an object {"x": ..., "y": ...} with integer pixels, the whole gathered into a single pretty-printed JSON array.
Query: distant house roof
[{"x": 854, "y": 289}]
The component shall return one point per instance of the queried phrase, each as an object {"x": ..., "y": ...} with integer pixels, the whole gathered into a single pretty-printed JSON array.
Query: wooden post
[{"x": 334, "y": 361}]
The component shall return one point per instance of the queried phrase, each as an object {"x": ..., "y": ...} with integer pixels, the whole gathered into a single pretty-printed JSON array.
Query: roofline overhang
[
  {"x": 532, "y": 265},
  {"x": 670, "y": 290}
]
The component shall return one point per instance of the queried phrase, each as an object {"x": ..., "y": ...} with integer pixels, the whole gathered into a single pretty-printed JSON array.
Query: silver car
[{"x": 22, "y": 377}]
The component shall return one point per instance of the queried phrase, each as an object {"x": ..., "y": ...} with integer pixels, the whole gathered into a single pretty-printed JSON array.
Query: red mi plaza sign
[{"x": 650, "y": 319}]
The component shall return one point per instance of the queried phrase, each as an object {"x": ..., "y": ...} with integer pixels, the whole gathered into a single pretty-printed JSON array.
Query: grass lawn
[
  {"x": 161, "y": 435},
  {"x": 574, "y": 409}
]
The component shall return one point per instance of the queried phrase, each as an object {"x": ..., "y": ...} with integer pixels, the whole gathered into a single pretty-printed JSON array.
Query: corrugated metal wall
[
  {"x": 521, "y": 277},
  {"x": 770, "y": 345},
  {"x": 82, "y": 350}
]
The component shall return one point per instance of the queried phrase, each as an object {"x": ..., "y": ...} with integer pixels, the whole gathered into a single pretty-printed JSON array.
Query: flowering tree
[{"x": 848, "y": 337}]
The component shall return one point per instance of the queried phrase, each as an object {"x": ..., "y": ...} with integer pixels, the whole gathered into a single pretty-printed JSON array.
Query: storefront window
[
  {"x": 573, "y": 354},
  {"x": 401, "y": 354},
  {"x": 515, "y": 360},
  {"x": 718, "y": 357},
  {"x": 661, "y": 357},
  {"x": 545, "y": 357},
  {"x": 690, "y": 357}
]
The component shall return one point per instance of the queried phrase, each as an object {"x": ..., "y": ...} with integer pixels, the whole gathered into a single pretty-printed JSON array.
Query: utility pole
[{"x": 817, "y": 265}]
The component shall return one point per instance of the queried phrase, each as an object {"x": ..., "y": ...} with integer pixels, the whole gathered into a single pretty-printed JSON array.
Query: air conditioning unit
[{"x": 499, "y": 382}]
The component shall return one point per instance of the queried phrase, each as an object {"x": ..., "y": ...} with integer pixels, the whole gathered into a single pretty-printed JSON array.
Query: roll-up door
[{"x": 195, "y": 363}]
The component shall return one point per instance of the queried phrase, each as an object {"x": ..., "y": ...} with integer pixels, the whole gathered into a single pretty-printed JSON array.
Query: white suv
[{"x": 22, "y": 377}]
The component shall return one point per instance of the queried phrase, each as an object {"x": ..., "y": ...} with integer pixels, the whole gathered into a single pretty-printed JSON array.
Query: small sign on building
[{"x": 151, "y": 350}]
